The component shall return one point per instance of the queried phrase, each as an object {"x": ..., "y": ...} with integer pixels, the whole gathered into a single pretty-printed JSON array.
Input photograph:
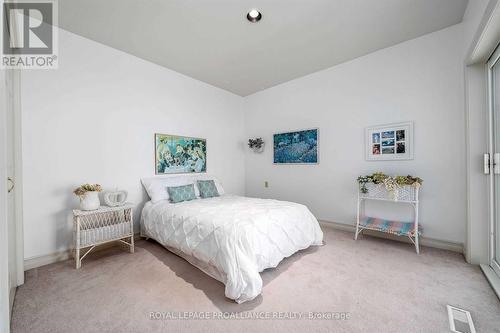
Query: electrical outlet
[{"x": 266, "y": 184}]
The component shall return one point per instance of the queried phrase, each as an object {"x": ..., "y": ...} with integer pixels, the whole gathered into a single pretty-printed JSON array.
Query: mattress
[{"x": 232, "y": 238}]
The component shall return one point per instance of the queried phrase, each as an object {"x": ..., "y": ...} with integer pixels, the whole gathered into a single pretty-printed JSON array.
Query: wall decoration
[
  {"x": 257, "y": 145},
  {"x": 179, "y": 154},
  {"x": 389, "y": 142},
  {"x": 299, "y": 147},
  {"x": 115, "y": 198}
]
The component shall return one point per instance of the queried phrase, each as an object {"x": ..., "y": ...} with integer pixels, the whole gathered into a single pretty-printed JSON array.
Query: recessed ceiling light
[{"x": 254, "y": 16}]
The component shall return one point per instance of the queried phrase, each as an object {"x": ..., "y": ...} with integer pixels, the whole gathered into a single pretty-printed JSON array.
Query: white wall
[
  {"x": 93, "y": 120},
  {"x": 420, "y": 80}
]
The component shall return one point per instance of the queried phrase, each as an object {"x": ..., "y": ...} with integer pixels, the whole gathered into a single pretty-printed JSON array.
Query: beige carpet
[{"x": 383, "y": 286}]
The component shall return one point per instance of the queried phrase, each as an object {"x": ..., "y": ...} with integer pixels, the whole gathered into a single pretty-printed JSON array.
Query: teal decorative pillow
[
  {"x": 181, "y": 193},
  {"x": 207, "y": 188}
]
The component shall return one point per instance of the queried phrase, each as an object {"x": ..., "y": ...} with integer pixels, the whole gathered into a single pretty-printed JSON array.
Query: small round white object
[
  {"x": 253, "y": 13},
  {"x": 254, "y": 16},
  {"x": 115, "y": 198}
]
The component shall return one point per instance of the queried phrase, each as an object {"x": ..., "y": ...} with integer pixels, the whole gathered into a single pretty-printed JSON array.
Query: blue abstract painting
[
  {"x": 179, "y": 154},
  {"x": 300, "y": 147}
]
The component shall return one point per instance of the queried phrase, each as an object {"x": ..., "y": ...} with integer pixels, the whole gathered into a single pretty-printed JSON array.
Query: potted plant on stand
[
  {"x": 89, "y": 196},
  {"x": 394, "y": 187}
]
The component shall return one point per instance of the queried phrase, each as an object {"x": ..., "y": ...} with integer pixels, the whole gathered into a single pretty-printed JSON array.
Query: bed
[{"x": 230, "y": 238}]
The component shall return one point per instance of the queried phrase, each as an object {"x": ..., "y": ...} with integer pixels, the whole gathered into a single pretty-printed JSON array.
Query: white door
[
  {"x": 4, "y": 255},
  {"x": 11, "y": 240},
  {"x": 494, "y": 106},
  {"x": 11, "y": 189},
  {"x": 11, "y": 233}
]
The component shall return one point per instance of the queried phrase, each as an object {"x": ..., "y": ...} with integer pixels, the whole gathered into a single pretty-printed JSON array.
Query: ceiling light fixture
[{"x": 254, "y": 16}]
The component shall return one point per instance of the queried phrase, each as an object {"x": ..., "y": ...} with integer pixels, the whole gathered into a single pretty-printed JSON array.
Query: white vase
[{"x": 90, "y": 201}]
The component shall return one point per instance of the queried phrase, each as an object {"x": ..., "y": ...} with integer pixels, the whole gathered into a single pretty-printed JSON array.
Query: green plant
[
  {"x": 255, "y": 143},
  {"x": 362, "y": 180},
  {"x": 401, "y": 180},
  {"x": 80, "y": 191},
  {"x": 378, "y": 177},
  {"x": 415, "y": 181},
  {"x": 391, "y": 183}
]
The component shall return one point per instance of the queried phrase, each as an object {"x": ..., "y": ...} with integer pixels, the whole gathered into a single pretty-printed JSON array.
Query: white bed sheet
[{"x": 232, "y": 238}]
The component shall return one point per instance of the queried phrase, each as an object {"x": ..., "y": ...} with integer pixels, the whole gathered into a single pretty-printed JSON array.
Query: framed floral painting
[{"x": 297, "y": 147}]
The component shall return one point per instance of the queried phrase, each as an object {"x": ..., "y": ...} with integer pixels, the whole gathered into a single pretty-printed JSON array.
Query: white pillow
[{"x": 156, "y": 187}]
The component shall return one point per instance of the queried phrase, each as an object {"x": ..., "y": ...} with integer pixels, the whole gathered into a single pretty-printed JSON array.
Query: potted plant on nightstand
[{"x": 89, "y": 196}]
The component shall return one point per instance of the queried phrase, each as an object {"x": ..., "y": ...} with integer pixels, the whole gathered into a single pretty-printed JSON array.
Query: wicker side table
[
  {"x": 406, "y": 195},
  {"x": 104, "y": 225}
]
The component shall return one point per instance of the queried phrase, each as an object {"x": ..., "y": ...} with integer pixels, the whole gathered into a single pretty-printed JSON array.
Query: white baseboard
[
  {"x": 51, "y": 258},
  {"x": 492, "y": 278},
  {"x": 47, "y": 259},
  {"x": 39, "y": 261},
  {"x": 12, "y": 295},
  {"x": 424, "y": 241}
]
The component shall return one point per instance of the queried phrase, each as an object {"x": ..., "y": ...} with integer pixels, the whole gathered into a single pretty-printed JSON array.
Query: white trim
[
  {"x": 51, "y": 258},
  {"x": 424, "y": 241},
  {"x": 491, "y": 175},
  {"x": 15, "y": 81},
  {"x": 492, "y": 278},
  {"x": 494, "y": 57},
  {"x": 12, "y": 296},
  {"x": 47, "y": 259},
  {"x": 39, "y": 261},
  {"x": 13, "y": 77},
  {"x": 468, "y": 168},
  {"x": 486, "y": 37},
  {"x": 4, "y": 268},
  {"x": 492, "y": 149}
]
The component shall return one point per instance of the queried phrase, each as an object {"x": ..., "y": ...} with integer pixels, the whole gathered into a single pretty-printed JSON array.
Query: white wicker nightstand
[{"x": 96, "y": 227}]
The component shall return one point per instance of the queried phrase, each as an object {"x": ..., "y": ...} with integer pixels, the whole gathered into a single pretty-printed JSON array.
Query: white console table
[
  {"x": 403, "y": 195},
  {"x": 104, "y": 225}
]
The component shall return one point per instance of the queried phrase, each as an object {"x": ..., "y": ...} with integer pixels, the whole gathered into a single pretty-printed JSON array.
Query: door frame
[
  {"x": 494, "y": 60},
  {"x": 14, "y": 84},
  {"x": 10, "y": 102},
  {"x": 10, "y": 91},
  {"x": 4, "y": 260}
]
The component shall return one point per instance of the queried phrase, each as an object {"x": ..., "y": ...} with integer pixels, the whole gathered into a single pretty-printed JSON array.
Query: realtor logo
[{"x": 29, "y": 34}]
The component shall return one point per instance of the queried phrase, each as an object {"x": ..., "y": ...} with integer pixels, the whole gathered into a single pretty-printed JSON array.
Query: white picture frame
[{"x": 390, "y": 142}]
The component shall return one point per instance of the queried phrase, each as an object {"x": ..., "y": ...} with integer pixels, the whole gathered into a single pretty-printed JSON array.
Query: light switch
[{"x": 266, "y": 184}]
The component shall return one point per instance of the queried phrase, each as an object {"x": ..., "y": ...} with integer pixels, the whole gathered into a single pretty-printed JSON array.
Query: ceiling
[{"x": 213, "y": 42}]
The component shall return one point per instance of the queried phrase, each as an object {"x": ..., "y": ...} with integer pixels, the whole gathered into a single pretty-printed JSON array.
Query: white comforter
[{"x": 233, "y": 238}]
